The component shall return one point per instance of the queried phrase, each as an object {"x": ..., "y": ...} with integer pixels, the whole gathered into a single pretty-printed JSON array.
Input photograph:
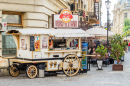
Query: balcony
[{"x": 92, "y": 17}]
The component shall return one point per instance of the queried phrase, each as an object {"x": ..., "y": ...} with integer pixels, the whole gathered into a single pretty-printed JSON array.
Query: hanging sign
[{"x": 65, "y": 20}]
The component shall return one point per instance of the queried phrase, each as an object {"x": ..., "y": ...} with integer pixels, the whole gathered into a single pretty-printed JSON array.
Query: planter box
[
  {"x": 99, "y": 63},
  {"x": 117, "y": 67}
]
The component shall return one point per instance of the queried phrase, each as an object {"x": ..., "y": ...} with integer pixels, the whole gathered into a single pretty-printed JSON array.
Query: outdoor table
[{"x": 89, "y": 57}]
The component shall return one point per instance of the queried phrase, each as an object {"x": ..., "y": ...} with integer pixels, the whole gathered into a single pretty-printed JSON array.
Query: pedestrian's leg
[{"x": 126, "y": 49}]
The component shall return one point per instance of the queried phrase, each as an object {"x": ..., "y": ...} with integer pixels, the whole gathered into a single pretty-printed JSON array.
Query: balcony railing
[{"x": 92, "y": 15}]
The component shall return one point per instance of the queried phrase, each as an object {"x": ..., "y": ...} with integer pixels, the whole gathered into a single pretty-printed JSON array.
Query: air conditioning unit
[
  {"x": 3, "y": 26},
  {"x": 74, "y": 7}
]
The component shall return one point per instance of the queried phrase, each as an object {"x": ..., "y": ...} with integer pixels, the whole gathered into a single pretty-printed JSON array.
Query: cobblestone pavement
[{"x": 105, "y": 77}]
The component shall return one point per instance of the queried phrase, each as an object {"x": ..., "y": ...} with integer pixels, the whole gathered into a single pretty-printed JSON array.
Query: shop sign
[
  {"x": 96, "y": 9},
  {"x": 2, "y": 61},
  {"x": 65, "y": 20}
]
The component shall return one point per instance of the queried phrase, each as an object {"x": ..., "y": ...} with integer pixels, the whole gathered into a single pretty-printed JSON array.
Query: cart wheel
[
  {"x": 71, "y": 65},
  {"x": 13, "y": 70},
  {"x": 31, "y": 71}
]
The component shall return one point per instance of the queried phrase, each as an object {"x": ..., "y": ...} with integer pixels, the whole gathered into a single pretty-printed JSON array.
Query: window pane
[
  {"x": 8, "y": 44},
  {"x": 125, "y": 15},
  {"x": 9, "y": 18},
  {"x": 11, "y": 27}
]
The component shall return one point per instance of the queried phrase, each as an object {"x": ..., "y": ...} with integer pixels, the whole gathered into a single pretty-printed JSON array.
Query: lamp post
[{"x": 108, "y": 3}]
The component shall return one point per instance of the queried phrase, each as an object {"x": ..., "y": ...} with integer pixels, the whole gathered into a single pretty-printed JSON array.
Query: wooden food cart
[{"x": 47, "y": 49}]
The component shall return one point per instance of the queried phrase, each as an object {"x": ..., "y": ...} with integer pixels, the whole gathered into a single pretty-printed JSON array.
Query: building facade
[{"x": 120, "y": 13}]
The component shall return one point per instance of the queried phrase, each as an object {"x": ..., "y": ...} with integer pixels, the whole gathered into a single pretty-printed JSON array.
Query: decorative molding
[
  {"x": 37, "y": 20},
  {"x": 28, "y": 5}
]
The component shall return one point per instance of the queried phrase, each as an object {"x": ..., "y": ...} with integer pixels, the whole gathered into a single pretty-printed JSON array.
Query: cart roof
[{"x": 52, "y": 32}]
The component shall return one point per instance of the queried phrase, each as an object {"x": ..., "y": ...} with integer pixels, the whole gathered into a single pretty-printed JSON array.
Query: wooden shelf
[
  {"x": 25, "y": 61},
  {"x": 62, "y": 51}
]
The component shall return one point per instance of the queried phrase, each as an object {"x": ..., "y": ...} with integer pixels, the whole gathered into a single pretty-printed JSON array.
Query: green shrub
[{"x": 101, "y": 50}]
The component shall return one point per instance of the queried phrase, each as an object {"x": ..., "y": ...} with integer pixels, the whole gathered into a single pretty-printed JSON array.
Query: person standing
[
  {"x": 97, "y": 44},
  {"x": 91, "y": 51},
  {"x": 128, "y": 46}
]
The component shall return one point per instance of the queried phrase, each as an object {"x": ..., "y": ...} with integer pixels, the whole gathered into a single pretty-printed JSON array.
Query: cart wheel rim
[
  {"x": 32, "y": 71},
  {"x": 14, "y": 71},
  {"x": 71, "y": 65}
]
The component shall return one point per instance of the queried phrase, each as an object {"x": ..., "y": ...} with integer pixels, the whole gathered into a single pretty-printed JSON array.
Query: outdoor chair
[
  {"x": 94, "y": 60},
  {"x": 106, "y": 60}
]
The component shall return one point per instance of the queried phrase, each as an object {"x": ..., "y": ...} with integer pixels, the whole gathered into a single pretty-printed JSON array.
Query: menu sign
[
  {"x": 65, "y": 20},
  {"x": 32, "y": 43}
]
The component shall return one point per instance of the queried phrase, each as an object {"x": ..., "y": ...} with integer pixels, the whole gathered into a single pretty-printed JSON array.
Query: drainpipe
[
  {"x": 80, "y": 4},
  {"x": 99, "y": 13}
]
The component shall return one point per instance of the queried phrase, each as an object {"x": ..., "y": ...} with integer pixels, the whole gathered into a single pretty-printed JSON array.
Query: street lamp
[{"x": 108, "y": 3}]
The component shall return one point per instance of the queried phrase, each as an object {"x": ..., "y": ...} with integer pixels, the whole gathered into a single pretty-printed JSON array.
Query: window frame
[
  {"x": 14, "y": 13},
  {"x": 65, "y": 47}
]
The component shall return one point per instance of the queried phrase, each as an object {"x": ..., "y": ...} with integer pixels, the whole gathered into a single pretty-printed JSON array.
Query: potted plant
[
  {"x": 102, "y": 51},
  {"x": 117, "y": 51}
]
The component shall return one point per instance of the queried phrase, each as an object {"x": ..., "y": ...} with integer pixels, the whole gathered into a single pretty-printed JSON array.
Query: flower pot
[
  {"x": 99, "y": 63},
  {"x": 117, "y": 67}
]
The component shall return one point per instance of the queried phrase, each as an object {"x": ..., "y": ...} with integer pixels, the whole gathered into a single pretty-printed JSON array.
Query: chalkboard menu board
[{"x": 32, "y": 43}]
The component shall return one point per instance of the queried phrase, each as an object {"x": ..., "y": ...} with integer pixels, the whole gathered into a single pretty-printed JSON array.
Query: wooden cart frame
[{"x": 69, "y": 61}]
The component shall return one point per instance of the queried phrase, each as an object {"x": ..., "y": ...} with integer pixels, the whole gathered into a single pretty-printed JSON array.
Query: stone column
[{"x": 0, "y": 35}]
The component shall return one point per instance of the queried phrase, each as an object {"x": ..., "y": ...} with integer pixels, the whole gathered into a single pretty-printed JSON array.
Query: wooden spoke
[
  {"x": 73, "y": 70},
  {"x": 74, "y": 59},
  {"x": 31, "y": 71},
  {"x": 65, "y": 64},
  {"x": 75, "y": 62},
  {"x": 69, "y": 60},
  {"x": 70, "y": 71},
  {"x": 13, "y": 71},
  {"x": 66, "y": 68},
  {"x": 75, "y": 65}
]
